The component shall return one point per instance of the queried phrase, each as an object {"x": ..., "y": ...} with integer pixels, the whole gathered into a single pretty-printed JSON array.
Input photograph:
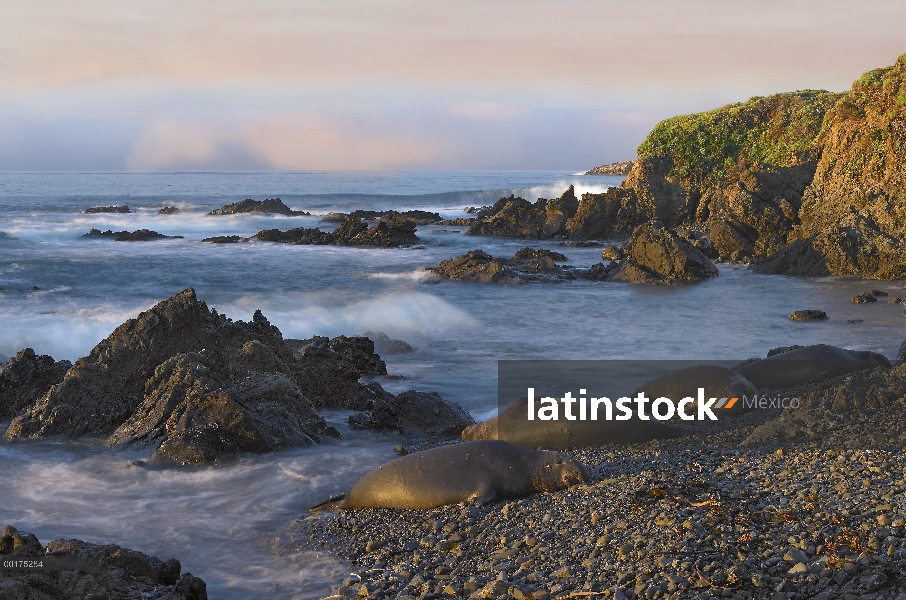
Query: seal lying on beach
[
  {"x": 512, "y": 426},
  {"x": 478, "y": 472},
  {"x": 718, "y": 382},
  {"x": 809, "y": 364}
]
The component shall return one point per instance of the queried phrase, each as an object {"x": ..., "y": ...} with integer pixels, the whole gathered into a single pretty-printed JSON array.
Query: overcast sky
[{"x": 400, "y": 84}]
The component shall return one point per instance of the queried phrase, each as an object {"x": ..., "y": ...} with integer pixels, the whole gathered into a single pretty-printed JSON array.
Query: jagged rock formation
[
  {"x": 273, "y": 206},
  {"x": 390, "y": 231},
  {"x": 195, "y": 385},
  {"x": 517, "y": 217},
  {"x": 617, "y": 168},
  {"x": 26, "y": 377},
  {"x": 106, "y": 209},
  {"x": 168, "y": 210},
  {"x": 77, "y": 569},
  {"x": 526, "y": 265},
  {"x": 141, "y": 235}
]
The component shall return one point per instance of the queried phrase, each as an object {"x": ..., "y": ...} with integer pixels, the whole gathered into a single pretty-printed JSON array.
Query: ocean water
[{"x": 230, "y": 524}]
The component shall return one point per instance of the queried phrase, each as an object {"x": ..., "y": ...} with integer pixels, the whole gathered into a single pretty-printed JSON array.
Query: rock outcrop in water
[
  {"x": 77, "y": 569},
  {"x": 26, "y": 377},
  {"x": 517, "y": 217},
  {"x": 386, "y": 346},
  {"x": 617, "y": 168},
  {"x": 141, "y": 235},
  {"x": 526, "y": 265},
  {"x": 195, "y": 385},
  {"x": 659, "y": 255},
  {"x": 106, "y": 209},
  {"x": 390, "y": 231},
  {"x": 273, "y": 206},
  {"x": 421, "y": 217},
  {"x": 168, "y": 210}
]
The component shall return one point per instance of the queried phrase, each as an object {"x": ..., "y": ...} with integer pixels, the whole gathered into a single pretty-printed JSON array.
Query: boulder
[
  {"x": 299, "y": 236},
  {"x": 273, "y": 206},
  {"x": 863, "y": 298},
  {"x": 106, "y": 209},
  {"x": 386, "y": 346},
  {"x": 418, "y": 416},
  {"x": 223, "y": 239},
  {"x": 526, "y": 265},
  {"x": 141, "y": 235},
  {"x": 658, "y": 254},
  {"x": 476, "y": 265},
  {"x": 601, "y": 272},
  {"x": 357, "y": 352},
  {"x": 808, "y": 315},
  {"x": 85, "y": 570},
  {"x": 25, "y": 378},
  {"x": 421, "y": 217},
  {"x": 168, "y": 210}
]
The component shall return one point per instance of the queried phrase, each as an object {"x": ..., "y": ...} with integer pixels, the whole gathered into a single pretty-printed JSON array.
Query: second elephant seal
[
  {"x": 479, "y": 472},
  {"x": 809, "y": 364}
]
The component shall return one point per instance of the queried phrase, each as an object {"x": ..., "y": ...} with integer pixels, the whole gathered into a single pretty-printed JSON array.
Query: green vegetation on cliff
[{"x": 704, "y": 148}]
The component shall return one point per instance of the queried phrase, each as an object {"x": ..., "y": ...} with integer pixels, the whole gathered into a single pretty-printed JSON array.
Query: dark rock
[
  {"x": 168, "y": 210},
  {"x": 475, "y": 266},
  {"x": 901, "y": 353},
  {"x": 417, "y": 415},
  {"x": 526, "y": 253},
  {"x": 863, "y": 298},
  {"x": 106, "y": 209},
  {"x": 141, "y": 235},
  {"x": 421, "y": 217},
  {"x": 390, "y": 231},
  {"x": 195, "y": 385},
  {"x": 223, "y": 239},
  {"x": 516, "y": 217},
  {"x": 658, "y": 254},
  {"x": 481, "y": 267},
  {"x": 879, "y": 293},
  {"x": 92, "y": 571},
  {"x": 385, "y": 346},
  {"x": 194, "y": 414},
  {"x": 617, "y": 168},
  {"x": 299, "y": 236},
  {"x": 272, "y": 206},
  {"x": 104, "y": 389},
  {"x": 601, "y": 272},
  {"x": 25, "y": 378},
  {"x": 808, "y": 315}
]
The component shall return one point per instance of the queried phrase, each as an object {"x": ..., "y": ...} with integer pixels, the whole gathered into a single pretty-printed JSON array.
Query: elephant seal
[
  {"x": 512, "y": 426},
  {"x": 478, "y": 472},
  {"x": 808, "y": 364},
  {"x": 718, "y": 382}
]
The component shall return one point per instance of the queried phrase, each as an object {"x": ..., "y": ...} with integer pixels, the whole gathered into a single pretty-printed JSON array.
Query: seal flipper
[
  {"x": 484, "y": 496},
  {"x": 333, "y": 503}
]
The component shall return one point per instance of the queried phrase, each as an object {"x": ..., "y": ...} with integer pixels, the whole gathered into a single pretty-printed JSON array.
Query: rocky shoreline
[
  {"x": 760, "y": 506},
  {"x": 68, "y": 568}
]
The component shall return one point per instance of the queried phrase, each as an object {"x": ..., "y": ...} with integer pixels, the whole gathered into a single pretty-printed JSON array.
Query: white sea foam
[{"x": 406, "y": 313}]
